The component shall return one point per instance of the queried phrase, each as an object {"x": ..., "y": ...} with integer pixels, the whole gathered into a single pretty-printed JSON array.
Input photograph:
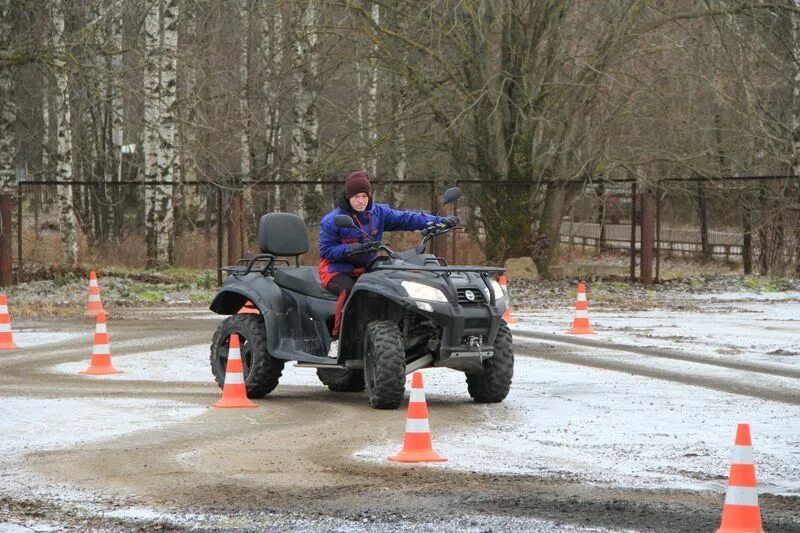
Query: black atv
[{"x": 410, "y": 310}]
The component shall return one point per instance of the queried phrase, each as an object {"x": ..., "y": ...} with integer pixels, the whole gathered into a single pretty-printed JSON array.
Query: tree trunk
[
  {"x": 273, "y": 43},
  {"x": 8, "y": 151},
  {"x": 64, "y": 155},
  {"x": 550, "y": 228},
  {"x": 796, "y": 124},
  {"x": 161, "y": 43},
  {"x": 305, "y": 124},
  {"x": 168, "y": 67},
  {"x": 245, "y": 195},
  {"x": 150, "y": 149}
]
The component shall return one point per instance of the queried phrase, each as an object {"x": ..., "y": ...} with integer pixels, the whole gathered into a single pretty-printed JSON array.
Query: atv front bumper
[{"x": 468, "y": 332}]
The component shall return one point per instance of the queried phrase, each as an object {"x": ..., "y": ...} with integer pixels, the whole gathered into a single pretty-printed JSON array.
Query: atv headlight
[
  {"x": 498, "y": 290},
  {"x": 420, "y": 291}
]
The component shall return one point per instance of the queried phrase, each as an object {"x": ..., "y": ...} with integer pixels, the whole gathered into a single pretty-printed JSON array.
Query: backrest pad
[{"x": 282, "y": 234}]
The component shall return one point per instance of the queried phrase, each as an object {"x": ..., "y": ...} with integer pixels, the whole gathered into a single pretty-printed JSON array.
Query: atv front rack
[{"x": 443, "y": 268}]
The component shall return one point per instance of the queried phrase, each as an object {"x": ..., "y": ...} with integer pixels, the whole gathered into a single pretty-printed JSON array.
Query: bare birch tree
[
  {"x": 64, "y": 155},
  {"x": 272, "y": 54},
  {"x": 160, "y": 81},
  {"x": 8, "y": 111},
  {"x": 305, "y": 121}
]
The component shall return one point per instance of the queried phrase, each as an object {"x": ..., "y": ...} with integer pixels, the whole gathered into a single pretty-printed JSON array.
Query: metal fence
[
  {"x": 719, "y": 218},
  {"x": 111, "y": 219}
]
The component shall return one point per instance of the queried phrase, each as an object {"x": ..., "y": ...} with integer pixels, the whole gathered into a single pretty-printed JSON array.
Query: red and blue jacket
[{"x": 374, "y": 220}]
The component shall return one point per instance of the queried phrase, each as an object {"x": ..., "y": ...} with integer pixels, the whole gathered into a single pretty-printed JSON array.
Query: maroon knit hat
[{"x": 356, "y": 182}]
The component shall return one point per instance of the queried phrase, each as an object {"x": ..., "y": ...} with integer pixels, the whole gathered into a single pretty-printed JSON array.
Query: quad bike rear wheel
[
  {"x": 384, "y": 365},
  {"x": 261, "y": 370},
  {"x": 492, "y": 385}
]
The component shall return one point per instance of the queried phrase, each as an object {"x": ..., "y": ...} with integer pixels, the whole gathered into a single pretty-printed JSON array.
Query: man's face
[{"x": 359, "y": 202}]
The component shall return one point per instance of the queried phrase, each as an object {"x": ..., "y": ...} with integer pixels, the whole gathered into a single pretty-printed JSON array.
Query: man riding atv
[
  {"x": 343, "y": 253},
  {"x": 407, "y": 311}
]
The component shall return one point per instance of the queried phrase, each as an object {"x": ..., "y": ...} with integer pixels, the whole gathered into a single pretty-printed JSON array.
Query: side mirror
[
  {"x": 451, "y": 195},
  {"x": 343, "y": 221}
]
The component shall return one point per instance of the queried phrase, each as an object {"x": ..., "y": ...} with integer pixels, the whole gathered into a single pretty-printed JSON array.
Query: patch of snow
[
  {"x": 611, "y": 428},
  {"x": 27, "y": 338},
  {"x": 35, "y": 424}
]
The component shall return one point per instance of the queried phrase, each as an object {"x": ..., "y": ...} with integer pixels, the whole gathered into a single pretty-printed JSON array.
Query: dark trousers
[{"x": 340, "y": 284}]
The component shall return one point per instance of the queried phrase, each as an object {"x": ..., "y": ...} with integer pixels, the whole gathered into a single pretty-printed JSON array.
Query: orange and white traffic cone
[
  {"x": 250, "y": 308},
  {"x": 580, "y": 326},
  {"x": 101, "y": 351},
  {"x": 95, "y": 306},
  {"x": 6, "y": 337},
  {"x": 234, "y": 392},
  {"x": 741, "y": 513},
  {"x": 417, "y": 446},
  {"x": 507, "y": 315}
]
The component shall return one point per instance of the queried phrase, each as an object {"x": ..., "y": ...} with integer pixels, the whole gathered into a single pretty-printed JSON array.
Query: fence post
[
  {"x": 219, "y": 235},
  {"x": 647, "y": 237},
  {"x": 633, "y": 232},
  {"x": 5, "y": 240},
  {"x": 658, "y": 232}
]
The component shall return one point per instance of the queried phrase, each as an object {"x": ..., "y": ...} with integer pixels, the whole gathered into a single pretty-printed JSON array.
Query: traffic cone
[
  {"x": 741, "y": 513},
  {"x": 101, "y": 353},
  {"x": 249, "y": 308},
  {"x": 6, "y": 337},
  {"x": 234, "y": 392},
  {"x": 95, "y": 306},
  {"x": 507, "y": 315},
  {"x": 417, "y": 446},
  {"x": 580, "y": 326}
]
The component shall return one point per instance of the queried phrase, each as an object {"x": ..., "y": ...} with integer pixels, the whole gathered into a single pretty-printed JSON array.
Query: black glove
[
  {"x": 451, "y": 222},
  {"x": 358, "y": 247}
]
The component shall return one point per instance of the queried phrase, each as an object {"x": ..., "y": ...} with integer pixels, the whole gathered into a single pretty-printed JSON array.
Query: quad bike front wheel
[
  {"x": 384, "y": 365},
  {"x": 492, "y": 385},
  {"x": 261, "y": 370}
]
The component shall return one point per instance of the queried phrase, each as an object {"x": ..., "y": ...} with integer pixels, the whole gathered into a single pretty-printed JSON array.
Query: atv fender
[
  {"x": 265, "y": 295},
  {"x": 364, "y": 305}
]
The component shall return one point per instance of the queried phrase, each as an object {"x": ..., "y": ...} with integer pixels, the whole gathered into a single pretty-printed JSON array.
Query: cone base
[
  {"x": 421, "y": 456},
  {"x": 582, "y": 331},
  {"x": 7, "y": 345},
  {"x": 100, "y": 370},
  {"x": 233, "y": 403}
]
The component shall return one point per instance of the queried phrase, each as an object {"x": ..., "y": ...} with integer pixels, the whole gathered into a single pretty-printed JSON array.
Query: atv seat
[
  {"x": 285, "y": 234},
  {"x": 304, "y": 280}
]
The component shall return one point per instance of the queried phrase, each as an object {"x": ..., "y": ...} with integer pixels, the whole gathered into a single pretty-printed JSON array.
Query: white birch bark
[
  {"x": 151, "y": 110},
  {"x": 168, "y": 67},
  {"x": 8, "y": 111},
  {"x": 272, "y": 43},
  {"x": 305, "y": 124},
  {"x": 795, "y": 90},
  {"x": 160, "y": 78},
  {"x": 117, "y": 104},
  {"x": 64, "y": 156},
  {"x": 244, "y": 106},
  {"x": 372, "y": 100},
  {"x": 47, "y": 147}
]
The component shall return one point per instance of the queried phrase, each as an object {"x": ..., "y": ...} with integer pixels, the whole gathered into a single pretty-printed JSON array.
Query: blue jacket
[{"x": 376, "y": 218}]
